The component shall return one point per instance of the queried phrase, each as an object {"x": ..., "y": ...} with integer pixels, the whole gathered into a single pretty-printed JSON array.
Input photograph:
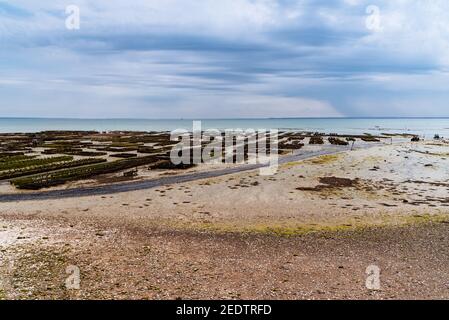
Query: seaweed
[
  {"x": 30, "y": 163},
  {"x": 123, "y": 155},
  {"x": 55, "y": 178},
  {"x": 316, "y": 139},
  {"x": 46, "y": 168},
  {"x": 338, "y": 142}
]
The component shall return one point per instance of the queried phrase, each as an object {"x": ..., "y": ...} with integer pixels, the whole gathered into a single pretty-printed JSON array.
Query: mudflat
[{"x": 309, "y": 231}]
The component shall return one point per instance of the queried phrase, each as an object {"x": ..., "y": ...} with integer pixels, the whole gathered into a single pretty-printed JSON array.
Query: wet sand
[{"x": 310, "y": 231}]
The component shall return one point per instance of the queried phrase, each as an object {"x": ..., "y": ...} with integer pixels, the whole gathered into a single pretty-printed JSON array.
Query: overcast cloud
[{"x": 235, "y": 58}]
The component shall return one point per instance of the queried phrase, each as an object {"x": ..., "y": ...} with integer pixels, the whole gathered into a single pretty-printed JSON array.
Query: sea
[{"x": 425, "y": 127}]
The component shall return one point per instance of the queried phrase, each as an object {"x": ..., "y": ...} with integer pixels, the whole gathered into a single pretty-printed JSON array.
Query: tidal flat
[{"x": 307, "y": 232}]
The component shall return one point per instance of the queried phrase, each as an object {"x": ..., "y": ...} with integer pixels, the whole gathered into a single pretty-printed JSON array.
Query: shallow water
[{"x": 422, "y": 126}]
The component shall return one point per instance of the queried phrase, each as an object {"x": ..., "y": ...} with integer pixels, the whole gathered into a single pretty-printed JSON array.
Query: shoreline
[
  {"x": 308, "y": 232},
  {"x": 160, "y": 182},
  {"x": 423, "y": 126}
]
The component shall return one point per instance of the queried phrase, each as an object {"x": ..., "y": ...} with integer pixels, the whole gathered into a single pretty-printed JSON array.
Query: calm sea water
[{"x": 421, "y": 126}]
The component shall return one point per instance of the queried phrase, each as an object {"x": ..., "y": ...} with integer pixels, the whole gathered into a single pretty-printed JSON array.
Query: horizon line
[{"x": 245, "y": 118}]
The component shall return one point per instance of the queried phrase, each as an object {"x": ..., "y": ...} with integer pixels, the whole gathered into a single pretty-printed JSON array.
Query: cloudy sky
[{"x": 224, "y": 59}]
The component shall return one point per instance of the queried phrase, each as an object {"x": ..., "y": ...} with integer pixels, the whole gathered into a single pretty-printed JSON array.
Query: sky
[{"x": 224, "y": 59}]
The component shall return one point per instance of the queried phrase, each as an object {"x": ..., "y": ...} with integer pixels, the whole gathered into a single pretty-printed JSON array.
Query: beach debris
[
  {"x": 338, "y": 142},
  {"x": 388, "y": 205},
  {"x": 316, "y": 139},
  {"x": 132, "y": 173},
  {"x": 123, "y": 155},
  {"x": 146, "y": 149},
  {"x": 331, "y": 182},
  {"x": 338, "y": 182},
  {"x": 292, "y": 145},
  {"x": 169, "y": 165},
  {"x": 369, "y": 138}
]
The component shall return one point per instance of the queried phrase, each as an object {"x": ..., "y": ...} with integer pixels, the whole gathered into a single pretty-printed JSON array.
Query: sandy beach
[
  {"x": 309, "y": 231},
  {"x": 215, "y": 157}
]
